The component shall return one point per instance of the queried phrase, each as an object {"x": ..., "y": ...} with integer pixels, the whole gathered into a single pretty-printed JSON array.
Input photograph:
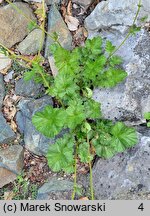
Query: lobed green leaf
[
  {"x": 60, "y": 155},
  {"x": 50, "y": 121}
]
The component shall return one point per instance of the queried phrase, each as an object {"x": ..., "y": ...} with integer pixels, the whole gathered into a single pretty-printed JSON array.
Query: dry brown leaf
[
  {"x": 8, "y": 101},
  {"x": 72, "y": 22},
  {"x": 13, "y": 111},
  {"x": 9, "y": 195},
  {"x": 69, "y": 8},
  {"x": 85, "y": 32},
  {"x": 13, "y": 125},
  {"x": 80, "y": 36},
  {"x": 4, "y": 71},
  {"x": 10, "y": 109},
  {"x": 84, "y": 198},
  {"x": 63, "y": 10}
]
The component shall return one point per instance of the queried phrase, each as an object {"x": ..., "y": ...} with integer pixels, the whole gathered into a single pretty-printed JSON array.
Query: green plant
[
  {"x": 80, "y": 70},
  {"x": 20, "y": 189},
  {"x": 23, "y": 189},
  {"x": 147, "y": 117}
]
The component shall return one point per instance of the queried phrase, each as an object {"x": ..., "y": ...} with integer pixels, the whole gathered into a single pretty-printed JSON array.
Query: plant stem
[
  {"x": 43, "y": 26},
  {"x": 41, "y": 43},
  {"x": 91, "y": 181},
  {"x": 127, "y": 36},
  {"x": 44, "y": 80},
  {"x": 75, "y": 174},
  {"x": 91, "y": 174},
  {"x": 14, "y": 56},
  {"x": 129, "y": 33},
  {"x": 137, "y": 13}
]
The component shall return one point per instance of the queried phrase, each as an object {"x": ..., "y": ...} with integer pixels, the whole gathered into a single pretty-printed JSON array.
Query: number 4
[{"x": 141, "y": 207}]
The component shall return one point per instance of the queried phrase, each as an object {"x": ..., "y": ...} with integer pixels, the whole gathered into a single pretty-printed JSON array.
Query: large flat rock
[
  {"x": 12, "y": 158},
  {"x": 13, "y": 25},
  {"x": 110, "y": 13},
  {"x": 129, "y": 100},
  {"x": 6, "y": 176},
  {"x": 11, "y": 163},
  {"x": 126, "y": 175}
]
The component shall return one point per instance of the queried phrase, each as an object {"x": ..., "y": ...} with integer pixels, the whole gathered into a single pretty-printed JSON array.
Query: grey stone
[
  {"x": 6, "y": 133},
  {"x": 56, "y": 24},
  {"x": 32, "y": 43},
  {"x": 6, "y": 176},
  {"x": 13, "y": 25},
  {"x": 28, "y": 89},
  {"x": 109, "y": 13},
  {"x": 126, "y": 175},
  {"x": 12, "y": 158},
  {"x": 85, "y": 3},
  {"x": 11, "y": 163},
  {"x": 2, "y": 90},
  {"x": 55, "y": 189},
  {"x": 20, "y": 119},
  {"x": 34, "y": 141}
]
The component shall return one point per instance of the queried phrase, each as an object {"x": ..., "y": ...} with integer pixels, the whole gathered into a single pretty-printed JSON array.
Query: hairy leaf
[
  {"x": 93, "y": 68},
  {"x": 83, "y": 152},
  {"x": 64, "y": 86},
  {"x": 92, "y": 109},
  {"x": 94, "y": 45},
  {"x": 75, "y": 114},
  {"x": 111, "y": 139},
  {"x": 111, "y": 77},
  {"x": 102, "y": 144},
  {"x": 65, "y": 60},
  {"x": 109, "y": 47},
  {"x": 60, "y": 155},
  {"x": 115, "y": 60},
  {"x": 123, "y": 137},
  {"x": 50, "y": 121}
]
